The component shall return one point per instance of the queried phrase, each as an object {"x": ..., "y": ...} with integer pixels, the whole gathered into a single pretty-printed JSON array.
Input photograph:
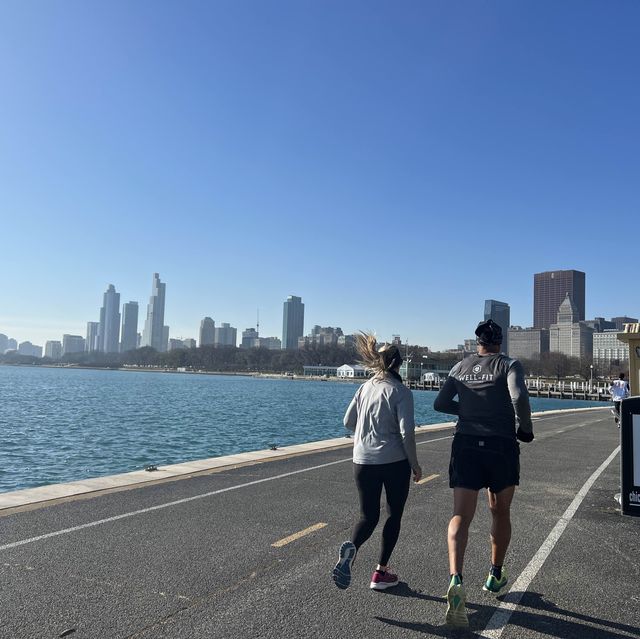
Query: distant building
[
  {"x": 175, "y": 344},
  {"x": 471, "y": 345},
  {"x": 4, "y": 340},
  {"x": 609, "y": 351},
  {"x": 72, "y": 344},
  {"x": 619, "y": 322},
  {"x": 207, "y": 335},
  {"x": 165, "y": 338},
  {"x": 53, "y": 349},
  {"x": 500, "y": 313},
  {"x": 549, "y": 291},
  {"x": 569, "y": 335},
  {"x": 154, "y": 334},
  {"x": 271, "y": 343},
  {"x": 12, "y": 345},
  {"x": 319, "y": 371},
  {"x": 91, "y": 341},
  {"x": 189, "y": 342},
  {"x": 129, "y": 339},
  {"x": 292, "y": 322},
  {"x": 225, "y": 335},
  {"x": 109, "y": 329},
  {"x": 600, "y": 324},
  {"x": 351, "y": 370},
  {"x": 250, "y": 338},
  {"x": 346, "y": 340},
  {"x": 321, "y": 336},
  {"x": 528, "y": 343},
  {"x": 29, "y": 349}
]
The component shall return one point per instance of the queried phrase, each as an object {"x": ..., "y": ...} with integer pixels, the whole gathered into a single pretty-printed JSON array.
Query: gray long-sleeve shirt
[
  {"x": 381, "y": 414},
  {"x": 492, "y": 396}
]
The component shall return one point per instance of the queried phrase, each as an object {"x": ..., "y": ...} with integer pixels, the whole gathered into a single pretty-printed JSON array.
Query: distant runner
[
  {"x": 493, "y": 410},
  {"x": 384, "y": 454},
  {"x": 618, "y": 390}
]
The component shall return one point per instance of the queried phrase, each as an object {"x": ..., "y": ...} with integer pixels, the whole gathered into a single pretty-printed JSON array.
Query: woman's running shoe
[
  {"x": 383, "y": 580},
  {"x": 456, "y": 599},
  {"x": 342, "y": 570},
  {"x": 493, "y": 584}
]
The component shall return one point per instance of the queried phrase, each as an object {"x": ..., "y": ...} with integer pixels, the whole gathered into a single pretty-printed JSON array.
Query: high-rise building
[
  {"x": 569, "y": 335},
  {"x": 12, "y": 345},
  {"x": 500, "y": 313},
  {"x": 91, "y": 341},
  {"x": 4, "y": 340},
  {"x": 270, "y": 343},
  {"x": 129, "y": 337},
  {"x": 226, "y": 335},
  {"x": 609, "y": 351},
  {"x": 109, "y": 329},
  {"x": 29, "y": 349},
  {"x": 72, "y": 344},
  {"x": 619, "y": 322},
  {"x": 528, "y": 343},
  {"x": 189, "y": 342},
  {"x": 165, "y": 338},
  {"x": 550, "y": 289},
  {"x": 207, "y": 332},
  {"x": 153, "y": 334},
  {"x": 53, "y": 349},
  {"x": 250, "y": 338},
  {"x": 292, "y": 322}
]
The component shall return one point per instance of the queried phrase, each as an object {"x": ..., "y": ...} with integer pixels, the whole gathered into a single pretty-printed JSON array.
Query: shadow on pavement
[{"x": 480, "y": 614}]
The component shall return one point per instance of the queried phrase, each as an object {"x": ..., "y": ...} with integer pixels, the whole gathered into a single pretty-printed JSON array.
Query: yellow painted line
[
  {"x": 426, "y": 479},
  {"x": 302, "y": 533}
]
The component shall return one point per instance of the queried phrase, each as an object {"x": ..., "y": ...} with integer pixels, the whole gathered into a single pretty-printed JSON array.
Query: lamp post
[{"x": 591, "y": 380}]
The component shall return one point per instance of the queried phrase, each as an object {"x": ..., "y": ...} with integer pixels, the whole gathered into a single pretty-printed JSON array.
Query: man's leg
[
  {"x": 500, "y": 507},
  {"x": 464, "y": 508}
]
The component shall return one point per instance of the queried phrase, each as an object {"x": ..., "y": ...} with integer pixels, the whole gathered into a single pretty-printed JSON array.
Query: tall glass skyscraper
[
  {"x": 91, "y": 342},
  {"x": 129, "y": 327},
  {"x": 153, "y": 334},
  {"x": 292, "y": 322},
  {"x": 500, "y": 313},
  {"x": 549, "y": 291},
  {"x": 207, "y": 332},
  {"x": 109, "y": 329}
]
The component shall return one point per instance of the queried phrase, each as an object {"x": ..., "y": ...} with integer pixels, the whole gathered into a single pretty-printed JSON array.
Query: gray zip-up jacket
[
  {"x": 381, "y": 414},
  {"x": 492, "y": 396}
]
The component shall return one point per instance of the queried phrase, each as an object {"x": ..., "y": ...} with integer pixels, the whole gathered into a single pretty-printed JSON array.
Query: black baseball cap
[{"x": 489, "y": 333}]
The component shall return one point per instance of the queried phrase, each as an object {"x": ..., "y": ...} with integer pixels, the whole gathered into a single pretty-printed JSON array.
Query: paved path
[{"x": 248, "y": 552}]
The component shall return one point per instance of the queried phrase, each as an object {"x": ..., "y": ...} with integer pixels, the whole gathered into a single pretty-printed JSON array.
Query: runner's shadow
[{"x": 480, "y": 614}]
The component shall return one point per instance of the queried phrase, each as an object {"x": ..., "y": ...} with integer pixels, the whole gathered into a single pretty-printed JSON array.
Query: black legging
[{"x": 370, "y": 478}]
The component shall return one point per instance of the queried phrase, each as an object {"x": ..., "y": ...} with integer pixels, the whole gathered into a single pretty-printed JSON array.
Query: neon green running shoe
[
  {"x": 456, "y": 599},
  {"x": 493, "y": 584}
]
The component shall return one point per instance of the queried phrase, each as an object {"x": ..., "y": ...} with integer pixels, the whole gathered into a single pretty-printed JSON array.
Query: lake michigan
[{"x": 66, "y": 424}]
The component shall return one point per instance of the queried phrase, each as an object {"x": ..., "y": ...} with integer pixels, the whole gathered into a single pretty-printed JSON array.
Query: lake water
[{"x": 64, "y": 424}]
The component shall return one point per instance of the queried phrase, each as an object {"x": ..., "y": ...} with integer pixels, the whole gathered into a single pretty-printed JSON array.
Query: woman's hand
[{"x": 417, "y": 474}]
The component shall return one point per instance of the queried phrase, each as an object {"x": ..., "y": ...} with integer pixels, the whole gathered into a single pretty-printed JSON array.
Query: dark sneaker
[
  {"x": 456, "y": 599},
  {"x": 383, "y": 580},
  {"x": 493, "y": 584},
  {"x": 342, "y": 570}
]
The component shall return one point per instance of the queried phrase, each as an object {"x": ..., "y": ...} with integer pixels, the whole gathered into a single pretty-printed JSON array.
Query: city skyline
[{"x": 227, "y": 147}]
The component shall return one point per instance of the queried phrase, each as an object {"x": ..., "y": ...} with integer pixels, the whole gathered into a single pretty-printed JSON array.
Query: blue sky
[{"x": 393, "y": 163}]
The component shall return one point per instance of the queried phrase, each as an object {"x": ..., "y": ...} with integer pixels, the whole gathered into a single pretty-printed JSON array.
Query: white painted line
[
  {"x": 298, "y": 535},
  {"x": 177, "y": 502},
  {"x": 501, "y": 616}
]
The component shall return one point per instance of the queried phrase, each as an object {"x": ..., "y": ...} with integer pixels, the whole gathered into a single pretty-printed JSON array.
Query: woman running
[{"x": 384, "y": 454}]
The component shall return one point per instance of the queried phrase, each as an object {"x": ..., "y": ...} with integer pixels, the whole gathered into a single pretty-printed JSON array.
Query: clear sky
[{"x": 393, "y": 163}]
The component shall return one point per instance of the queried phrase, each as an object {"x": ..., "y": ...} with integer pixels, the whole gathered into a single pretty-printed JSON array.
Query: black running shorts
[{"x": 484, "y": 462}]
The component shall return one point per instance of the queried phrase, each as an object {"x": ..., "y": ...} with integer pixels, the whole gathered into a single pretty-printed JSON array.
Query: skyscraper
[
  {"x": 207, "y": 332},
  {"x": 53, "y": 349},
  {"x": 549, "y": 291},
  {"x": 72, "y": 344},
  {"x": 129, "y": 327},
  {"x": 500, "y": 313},
  {"x": 226, "y": 335},
  {"x": 568, "y": 335},
  {"x": 292, "y": 322},
  {"x": 91, "y": 342},
  {"x": 109, "y": 329},
  {"x": 153, "y": 334}
]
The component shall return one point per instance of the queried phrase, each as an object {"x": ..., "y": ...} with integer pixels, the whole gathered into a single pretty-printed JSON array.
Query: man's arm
[
  {"x": 444, "y": 402},
  {"x": 519, "y": 397}
]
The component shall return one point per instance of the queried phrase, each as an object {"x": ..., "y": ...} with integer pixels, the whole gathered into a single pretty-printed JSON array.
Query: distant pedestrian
[
  {"x": 618, "y": 390},
  {"x": 384, "y": 454},
  {"x": 493, "y": 412}
]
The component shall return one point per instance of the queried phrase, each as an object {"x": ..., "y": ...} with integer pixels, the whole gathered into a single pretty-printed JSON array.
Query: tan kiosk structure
[{"x": 630, "y": 427}]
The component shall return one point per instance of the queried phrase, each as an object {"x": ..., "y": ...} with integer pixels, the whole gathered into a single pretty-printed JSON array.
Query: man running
[
  {"x": 493, "y": 411},
  {"x": 618, "y": 390}
]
